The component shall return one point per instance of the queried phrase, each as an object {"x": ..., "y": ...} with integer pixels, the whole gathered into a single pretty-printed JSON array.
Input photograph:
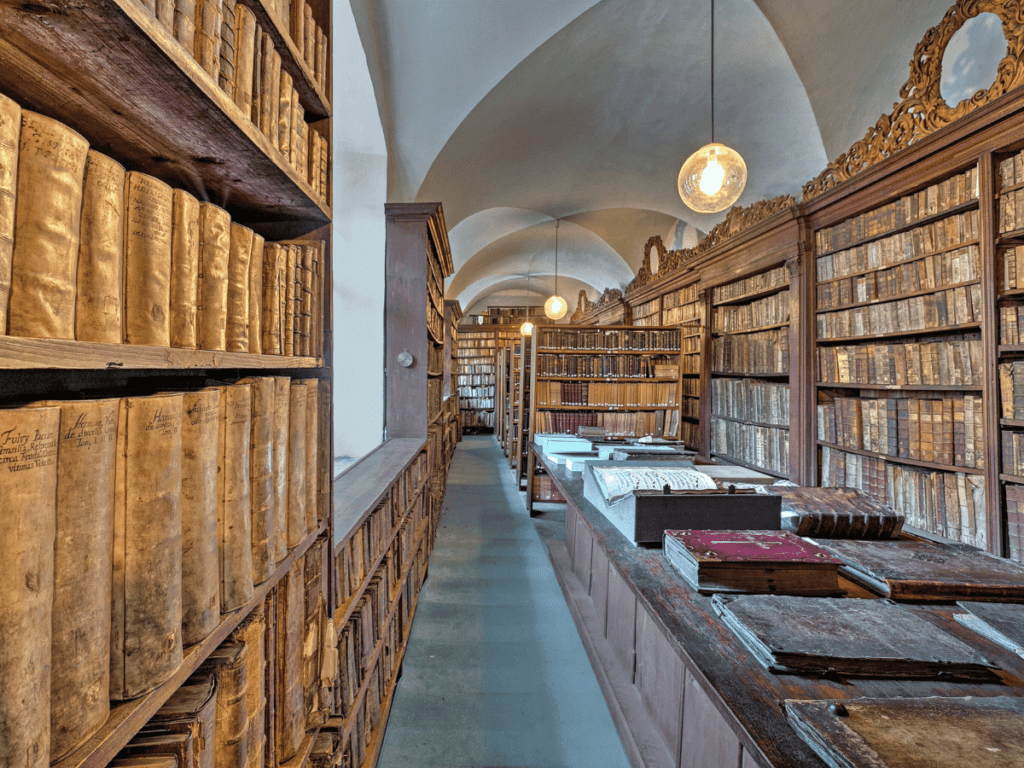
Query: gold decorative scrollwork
[
  {"x": 583, "y": 308},
  {"x": 922, "y": 110}
]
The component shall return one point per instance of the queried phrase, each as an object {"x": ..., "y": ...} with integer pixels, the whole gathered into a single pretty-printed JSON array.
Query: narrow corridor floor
[{"x": 495, "y": 674}]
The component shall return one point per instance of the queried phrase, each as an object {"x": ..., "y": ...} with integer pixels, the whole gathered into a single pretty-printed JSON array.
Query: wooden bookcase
[
  {"x": 147, "y": 104},
  {"x": 477, "y": 378},
  {"x": 521, "y": 412},
  {"x": 501, "y": 395}
]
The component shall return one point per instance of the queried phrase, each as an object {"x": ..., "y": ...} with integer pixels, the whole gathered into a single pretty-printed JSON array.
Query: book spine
[
  {"x": 234, "y": 516},
  {"x": 290, "y": 717},
  {"x": 281, "y": 437},
  {"x": 164, "y": 13},
  {"x": 226, "y": 75},
  {"x": 312, "y": 428},
  {"x": 307, "y": 300},
  {"x": 185, "y": 24},
  {"x": 237, "y": 320},
  {"x": 10, "y": 141},
  {"x": 297, "y": 464},
  {"x": 184, "y": 271},
  {"x": 266, "y": 90},
  {"x": 288, "y": 307},
  {"x": 44, "y": 263},
  {"x": 98, "y": 305},
  {"x": 207, "y": 36},
  {"x": 214, "y": 258},
  {"x": 256, "y": 295},
  {"x": 272, "y": 278},
  {"x": 245, "y": 57},
  {"x": 284, "y": 115},
  {"x": 275, "y": 115},
  {"x": 261, "y": 469},
  {"x": 149, "y": 207}
]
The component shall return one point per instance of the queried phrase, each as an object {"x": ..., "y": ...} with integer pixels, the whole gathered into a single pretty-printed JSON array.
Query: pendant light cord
[
  {"x": 557, "y": 221},
  {"x": 712, "y": 71}
]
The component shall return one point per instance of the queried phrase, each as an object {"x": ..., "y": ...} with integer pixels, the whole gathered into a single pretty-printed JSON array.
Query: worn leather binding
[
  {"x": 273, "y": 275},
  {"x": 234, "y": 521},
  {"x": 145, "y": 641},
  {"x": 192, "y": 709},
  {"x": 274, "y": 97},
  {"x": 185, "y": 24},
  {"x": 288, "y": 303},
  {"x": 165, "y": 14},
  {"x": 147, "y": 260},
  {"x": 324, "y": 467},
  {"x": 312, "y": 454},
  {"x": 305, "y": 303},
  {"x": 321, "y": 58},
  {"x": 228, "y": 664},
  {"x": 98, "y": 308},
  {"x": 44, "y": 264},
  {"x": 80, "y": 663},
  {"x": 155, "y": 741},
  {"x": 282, "y": 411},
  {"x": 294, "y": 149},
  {"x": 284, "y": 115},
  {"x": 29, "y": 496},
  {"x": 315, "y": 617},
  {"x": 245, "y": 51},
  {"x": 297, "y": 524},
  {"x": 237, "y": 335},
  {"x": 200, "y": 563},
  {"x": 252, "y": 634},
  {"x": 264, "y": 87},
  {"x": 214, "y": 256},
  {"x": 10, "y": 138},
  {"x": 256, "y": 296},
  {"x": 207, "y": 36},
  {"x": 300, "y": 251},
  {"x": 261, "y": 469},
  {"x": 290, "y": 716},
  {"x": 184, "y": 270},
  {"x": 226, "y": 78}
]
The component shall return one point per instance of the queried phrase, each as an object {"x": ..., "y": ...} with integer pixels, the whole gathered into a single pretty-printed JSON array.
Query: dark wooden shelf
[
  {"x": 729, "y": 459},
  {"x": 720, "y": 334},
  {"x": 747, "y": 422},
  {"x": 1011, "y": 423},
  {"x": 112, "y": 72},
  {"x": 900, "y": 334},
  {"x": 695, "y": 397},
  {"x": 1012, "y": 293},
  {"x": 751, "y": 296},
  {"x": 907, "y": 387},
  {"x": 902, "y": 296},
  {"x": 901, "y": 460},
  {"x": 1011, "y": 478},
  {"x": 19, "y": 353},
  {"x": 1012, "y": 236},
  {"x": 1011, "y": 349},
  {"x": 740, "y": 375},
  {"x": 127, "y": 718}
]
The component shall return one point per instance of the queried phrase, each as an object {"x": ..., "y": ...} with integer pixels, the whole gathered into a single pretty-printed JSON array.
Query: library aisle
[{"x": 495, "y": 673}]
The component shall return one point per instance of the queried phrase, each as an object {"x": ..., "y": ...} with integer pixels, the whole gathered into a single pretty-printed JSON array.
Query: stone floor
[{"x": 495, "y": 673}]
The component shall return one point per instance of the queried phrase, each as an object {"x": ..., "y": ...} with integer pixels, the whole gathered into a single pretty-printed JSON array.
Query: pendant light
[
  {"x": 713, "y": 177},
  {"x": 556, "y": 307},
  {"x": 526, "y": 329}
]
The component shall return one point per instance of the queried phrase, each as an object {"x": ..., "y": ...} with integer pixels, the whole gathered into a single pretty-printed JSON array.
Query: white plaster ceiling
[{"x": 515, "y": 112}]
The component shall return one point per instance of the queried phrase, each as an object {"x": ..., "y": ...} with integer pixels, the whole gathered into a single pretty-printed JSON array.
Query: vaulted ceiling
[{"x": 514, "y": 113}]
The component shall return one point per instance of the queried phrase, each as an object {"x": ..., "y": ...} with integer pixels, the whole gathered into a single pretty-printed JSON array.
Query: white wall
[{"x": 360, "y": 190}]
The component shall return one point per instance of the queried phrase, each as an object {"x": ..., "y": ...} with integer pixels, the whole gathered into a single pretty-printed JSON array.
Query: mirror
[{"x": 970, "y": 62}]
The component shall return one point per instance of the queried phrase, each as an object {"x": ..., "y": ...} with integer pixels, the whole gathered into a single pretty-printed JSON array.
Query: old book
[
  {"x": 325, "y": 461},
  {"x": 207, "y": 36},
  {"x": 192, "y": 709},
  {"x": 255, "y": 87},
  {"x": 165, "y": 14},
  {"x": 245, "y": 53},
  {"x": 313, "y": 170},
  {"x": 145, "y": 761},
  {"x": 325, "y": 161},
  {"x": 10, "y": 140},
  {"x": 155, "y": 741},
  {"x": 228, "y": 664},
  {"x": 855, "y": 638},
  {"x": 185, "y": 24},
  {"x": 266, "y": 91},
  {"x": 80, "y": 660},
  {"x": 28, "y": 483},
  {"x": 298, "y": 250},
  {"x": 252, "y": 634},
  {"x": 256, "y": 296},
  {"x": 261, "y": 473},
  {"x": 234, "y": 518},
  {"x": 145, "y": 642},
  {"x": 274, "y": 98},
  {"x": 184, "y": 270},
  {"x": 290, "y": 716},
  {"x": 306, "y": 305},
  {"x": 273, "y": 277},
  {"x": 321, "y": 58},
  {"x": 297, "y": 494},
  {"x": 293, "y": 151},
  {"x": 44, "y": 263},
  {"x": 315, "y": 617},
  {"x": 761, "y": 562},
  {"x": 288, "y": 301},
  {"x": 280, "y": 437},
  {"x": 237, "y": 334},
  {"x": 214, "y": 257},
  {"x": 312, "y": 452},
  {"x": 200, "y": 562},
  {"x": 837, "y": 513},
  {"x": 149, "y": 206},
  {"x": 308, "y": 35},
  {"x": 101, "y": 252},
  {"x": 914, "y": 569},
  {"x": 284, "y": 115},
  {"x": 226, "y": 78}
]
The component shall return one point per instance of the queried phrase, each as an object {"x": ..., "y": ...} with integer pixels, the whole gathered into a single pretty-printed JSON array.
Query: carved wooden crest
[
  {"x": 922, "y": 110},
  {"x": 583, "y": 308}
]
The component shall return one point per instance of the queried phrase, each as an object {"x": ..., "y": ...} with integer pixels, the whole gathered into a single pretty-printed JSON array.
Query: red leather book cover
[{"x": 750, "y": 546}]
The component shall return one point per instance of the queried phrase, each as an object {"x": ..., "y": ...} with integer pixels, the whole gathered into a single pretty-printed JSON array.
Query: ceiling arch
[{"x": 514, "y": 291}]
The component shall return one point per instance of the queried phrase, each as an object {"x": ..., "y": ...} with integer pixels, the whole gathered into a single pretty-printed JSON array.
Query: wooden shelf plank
[
  {"x": 911, "y": 260},
  {"x": 1011, "y": 478},
  {"x": 1011, "y": 422},
  {"x": 901, "y": 460},
  {"x": 899, "y": 334},
  {"x": 302, "y": 756},
  {"x": 888, "y": 299},
  {"x": 19, "y": 353},
  {"x": 127, "y": 718},
  {"x": 906, "y": 387},
  {"x": 111, "y": 71},
  {"x": 747, "y": 422}
]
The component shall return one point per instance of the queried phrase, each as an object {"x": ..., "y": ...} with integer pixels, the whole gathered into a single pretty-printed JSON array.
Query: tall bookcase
[
  {"x": 477, "y": 379},
  {"x": 500, "y": 395},
  {"x": 515, "y": 379},
  {"x": 521, "y": 412},
  {"x": 146, "y": 103}
]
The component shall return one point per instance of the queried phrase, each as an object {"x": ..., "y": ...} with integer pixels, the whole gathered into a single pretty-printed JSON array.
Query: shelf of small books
[
  {"x": 477, "y": 376},
  {"x": 522, "y": 413},
  {"x": 648, "y": 313}
]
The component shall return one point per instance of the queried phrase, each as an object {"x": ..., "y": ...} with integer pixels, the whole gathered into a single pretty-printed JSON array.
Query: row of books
[
  {"x": 1011, "y": 319},
  {"x": 476, "y": 369},
  {"x": 647, "y": 321},
  {"x": 688, "y": 294},
  {"x": 475, "y": 419},
  {"x": 936, "y": 271},
  {"x": 469, "y": 341},
  {"x": 653, "y": 423},
  {"x": 689, "y": 434},
  {"x": 690, "y": 386},
  {"x": 1011, "y": 211},
  {"x": 1011, "y": 389},
  {"x": 1015, "y": 520},
  {"x": 954, "y": 360},
  {"x": 475, "y": 380},
  {"x": 1013, "y": 267},
  {"x": 144, "y": 519},
  {"x": 950, "y": 504},
  {"x": 957, "y": 306},
  {"x": 1011, "y": 171},
  {"x": 770, "y": 310},
  {"x": 624, "y": 339},
  {"x": 650, "y": 308},
  {"x": 470, "y": 402},
  {"x": 690, "y": 407},
  {"x": 632, "y": 395},
  {"x": 690, "y": 364},
  {"x": 950, "y": 193},
  {"x": 948, "y": 430},
  {"x": 1013, "y": 452},
  {"x": 472, "y": 392},
  {"x": 751, "y": 400},
  {"x": 691, "y": 344},
  {"x": 121, "y": 257},
  {"x": 611, "y": 366},
  {"x": 689, "y": 314},
  {"x": 950, "y": 232},
  {"x": 435, "y": 358},
  {"x": 764, "y": 447},
  {"x": 766, "y": 281},
  {"x": 759, "y": 353}
]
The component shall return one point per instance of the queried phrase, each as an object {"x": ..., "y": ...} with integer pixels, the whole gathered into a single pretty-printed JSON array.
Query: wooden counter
[{"x": 683, "y": 691}]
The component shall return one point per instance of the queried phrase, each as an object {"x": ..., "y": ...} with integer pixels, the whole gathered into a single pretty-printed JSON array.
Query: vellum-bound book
[
  {"x": 228, "y": 664},
  {"x": 200, "y": 491},
  {"x": 214, "y": 256},
  {"x": 184, "y": 271},
  {"x": 98, "y": 313},
  {"x": 145, "y": 642},
  {"x": 273, "y": 283},
  {"x": 192, "y": 709},
  {"x": 312, "y": 454},
  {"x": 177, "y": 744},
  {"x": 252, "y": 634},
  {"x": 147, "y": 260},
  {"x": 297, "y": 464},
  {"x": 261, "y": 473},
  {"x": 238, "y": 289},
  {"x": 234, "y": 516},
  {"x": 280, "y": 437},
  {"x": 207, "y": 36},
  {"x": 44, "y": 265},
  {"x": 759, "y": 562},
  {"x": 185, "y": 24},
  {"x": 290, "y": 715},
  {"x": 80, "y": 666},
  {"x": 28, "y": 496},
  {"x": 245, "y": 51},
  {"x": 256, "y": 296},
  {"x": 10, "y": 139}
]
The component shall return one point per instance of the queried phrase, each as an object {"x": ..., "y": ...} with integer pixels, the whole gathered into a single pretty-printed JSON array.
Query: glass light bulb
[
  {"x": 526, "y": 329},
  {"x": 711, "y": 177},
  {"x": 555, "y": 307}
]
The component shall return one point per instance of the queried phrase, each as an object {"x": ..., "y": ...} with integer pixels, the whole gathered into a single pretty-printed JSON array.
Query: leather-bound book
[
  {"x": 288, "y": 303},
  {"x": 185, "y": 24},
  {"x": 281, "y": 432},
  {"x": 99, "y": 302},
  {"x": 145, "y": 641},
  {"x": 261, "y": 473},
  {"x": 325, "y": 159},
  {"x": 273, "y": 277},
  {"x": 256, "y": 295},
  {"x": 147, "y": 260},
  {"x": 308, "y": 36},
  {"x": 10, "y": 140},
  {"x": 226, "y": 78},
  {"x": 297, "y": 294},
  {"x": 252, "y": 634},
  {"x": 80, "y": 657},
  {"x": 237, "y": 335},
  {"x": 316, "y": 615},
  {"x": 266, "y": 90},
  {"x": 312, "y": 452},
  {"x": 306, "y": 305},
  {"x": 290, "y": 716},
  {"x": 145, "y": 761},
  {"x": 245, "y": 53},
  {"x": 208, "y": 23},
  {"x": 321, "y": 58},
  {"x": 274, "y": 97},
  {"x": 214, "y": 257},
  {"x": 284, "y": 115},
  {"x": 297, "y": 524},
  {"x": 297, "y": 23},
  {"x": 164, "y": 13},
  {"x": 228, "y": 663},
  {"x": 28, "y": 439},
  {"x": 155, "y": 741},
  {"x": 44, "y": 264},
  {"x": 294, "y": 150},
  {"x": 234, "y": 518},
  {"x": 184, "y": 270},
  {"x": 192, "y": 709},
  {"x": 325, "y": 460},
  {"x": 200, "y": 488},
  {"x": 255, "y": 87}
]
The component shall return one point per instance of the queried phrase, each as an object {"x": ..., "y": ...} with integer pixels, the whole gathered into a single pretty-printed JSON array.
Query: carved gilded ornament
[{"x": 923, "y": 110}]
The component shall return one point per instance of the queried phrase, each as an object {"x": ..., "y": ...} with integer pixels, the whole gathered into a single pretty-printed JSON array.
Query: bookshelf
[
  {"x": 648, "y": 314},
  {"x": 452, "y": 411},
  {"x": 477, "y": 376},
  {"x": 521, "y": 414},
  {"x": 514, "y": 393},
  {"x": 501, "y": 315},
  {"x": 147, "y": 104}
]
